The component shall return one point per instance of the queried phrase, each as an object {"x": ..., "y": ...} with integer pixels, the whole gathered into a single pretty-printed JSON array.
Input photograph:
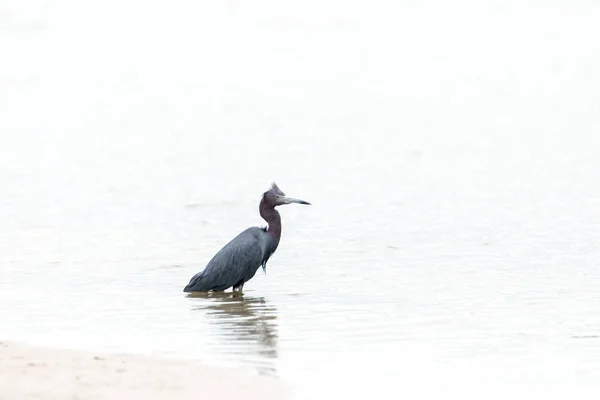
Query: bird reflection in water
[{"x": 248, "y": 324}]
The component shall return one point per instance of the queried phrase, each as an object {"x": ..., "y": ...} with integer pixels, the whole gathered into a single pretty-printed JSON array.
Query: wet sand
[{"x": 31, "y": 372}]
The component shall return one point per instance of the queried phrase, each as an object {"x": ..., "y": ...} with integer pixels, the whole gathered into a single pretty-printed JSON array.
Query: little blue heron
[{"x": 237, "y": 262}]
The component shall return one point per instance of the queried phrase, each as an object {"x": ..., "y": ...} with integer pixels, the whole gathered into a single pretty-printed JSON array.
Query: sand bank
[{"x": 28, "y": 372}]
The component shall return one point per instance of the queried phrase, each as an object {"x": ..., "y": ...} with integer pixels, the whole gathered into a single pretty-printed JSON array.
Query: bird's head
[{"x": 275, "y": 197}]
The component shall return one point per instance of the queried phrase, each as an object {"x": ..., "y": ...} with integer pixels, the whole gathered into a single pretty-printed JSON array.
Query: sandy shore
[{"x": 28, "y": 372}]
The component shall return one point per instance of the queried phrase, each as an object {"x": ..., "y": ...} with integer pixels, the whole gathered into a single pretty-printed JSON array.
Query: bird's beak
[{"x": 290, "y": 200}]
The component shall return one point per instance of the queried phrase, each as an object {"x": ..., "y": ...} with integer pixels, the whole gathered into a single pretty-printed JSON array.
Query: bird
[{"x": 237, "y": 262}]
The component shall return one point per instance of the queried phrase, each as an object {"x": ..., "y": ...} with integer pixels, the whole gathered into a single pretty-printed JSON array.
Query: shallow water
[{"x": 451, "y": 157}]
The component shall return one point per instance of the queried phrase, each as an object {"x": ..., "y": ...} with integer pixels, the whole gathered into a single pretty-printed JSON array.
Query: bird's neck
[{"x": 271, "y": 215}]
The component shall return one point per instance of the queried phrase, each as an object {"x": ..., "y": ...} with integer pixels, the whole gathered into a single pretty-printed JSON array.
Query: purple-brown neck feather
[{"x": 271, "y": 215}]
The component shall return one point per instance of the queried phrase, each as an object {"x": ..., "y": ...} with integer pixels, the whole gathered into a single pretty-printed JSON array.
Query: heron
[{"x": 237, "y": 262}]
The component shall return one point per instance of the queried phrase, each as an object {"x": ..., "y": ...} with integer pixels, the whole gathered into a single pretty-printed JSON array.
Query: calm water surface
[{"x": 451, "y": 157}]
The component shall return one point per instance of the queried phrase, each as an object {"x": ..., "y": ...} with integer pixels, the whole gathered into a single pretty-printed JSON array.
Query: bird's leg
[{"x": 238, "y": 288}]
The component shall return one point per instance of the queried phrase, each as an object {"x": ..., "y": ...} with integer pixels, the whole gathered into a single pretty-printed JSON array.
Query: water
[{"x": 451, "y": 154}]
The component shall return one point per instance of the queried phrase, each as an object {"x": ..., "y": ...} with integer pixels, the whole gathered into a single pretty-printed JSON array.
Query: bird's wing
[{"x": 240, "y": 258}]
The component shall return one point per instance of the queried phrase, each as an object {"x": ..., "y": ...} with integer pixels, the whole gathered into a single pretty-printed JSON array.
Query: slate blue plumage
[{"x": 237, "y": 262}]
